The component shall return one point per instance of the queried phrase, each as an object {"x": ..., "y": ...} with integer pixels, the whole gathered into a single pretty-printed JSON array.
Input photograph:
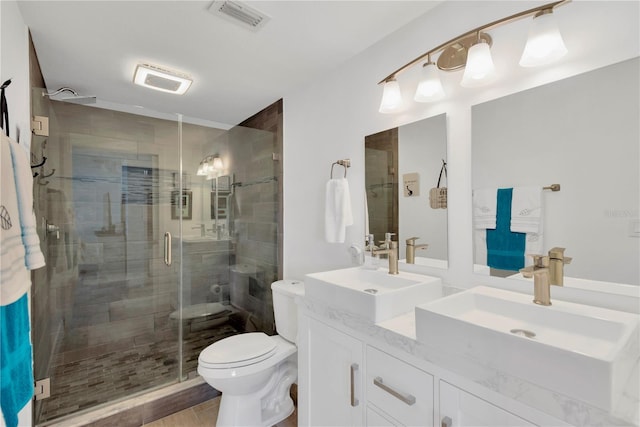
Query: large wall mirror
[
  {"x": 581, "y": 133},
  {"x": 401, "y": 166}
]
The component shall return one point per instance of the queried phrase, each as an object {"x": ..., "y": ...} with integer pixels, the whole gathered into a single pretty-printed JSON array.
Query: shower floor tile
[{"x": 82, "y": 384}]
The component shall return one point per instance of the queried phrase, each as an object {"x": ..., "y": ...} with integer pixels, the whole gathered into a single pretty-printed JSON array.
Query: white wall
[
  {"x": 14, "y": 64},
  {"x": 328, "y": 120},
  {"x": 421, "y": 148}
]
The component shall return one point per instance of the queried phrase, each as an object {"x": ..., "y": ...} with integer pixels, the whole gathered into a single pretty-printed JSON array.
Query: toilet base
[
  {"x": 267, "y": 407},
  {"x": 240, "y": 411}
]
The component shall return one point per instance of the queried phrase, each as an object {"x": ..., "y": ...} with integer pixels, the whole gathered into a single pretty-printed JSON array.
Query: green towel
[{"x": 505, "y": 250}]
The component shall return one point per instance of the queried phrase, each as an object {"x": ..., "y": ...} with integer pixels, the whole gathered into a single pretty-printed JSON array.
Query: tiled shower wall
[{"x": 258, "y": 206}]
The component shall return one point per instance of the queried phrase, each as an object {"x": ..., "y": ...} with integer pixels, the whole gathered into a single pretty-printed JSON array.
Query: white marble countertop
[{"x": 400, "y": 333}]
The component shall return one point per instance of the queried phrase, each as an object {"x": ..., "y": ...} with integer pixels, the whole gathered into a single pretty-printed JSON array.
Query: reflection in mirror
[
  {"x": 401, "y": 166},
  {"x": 581, "y": 133}
]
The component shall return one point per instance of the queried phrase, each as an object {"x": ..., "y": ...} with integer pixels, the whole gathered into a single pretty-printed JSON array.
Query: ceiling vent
[{"x": 239, "y": 13}]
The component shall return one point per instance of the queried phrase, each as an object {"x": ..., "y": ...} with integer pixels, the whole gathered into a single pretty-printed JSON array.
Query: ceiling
[{"x": 94, "y": 46}]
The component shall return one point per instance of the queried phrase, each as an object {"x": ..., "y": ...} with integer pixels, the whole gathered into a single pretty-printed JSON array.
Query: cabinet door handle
[
  {"x": 407, "y": 398},
  {"x": 354, "y": 400},
  {"x": 167, "y": 248},
  {"x": 446, "y": 422}
]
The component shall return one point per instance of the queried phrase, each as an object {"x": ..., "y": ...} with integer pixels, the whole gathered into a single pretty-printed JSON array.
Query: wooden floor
[{"x": 204, "y": 415}]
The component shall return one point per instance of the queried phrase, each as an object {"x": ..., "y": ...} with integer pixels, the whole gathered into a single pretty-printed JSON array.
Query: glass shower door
[{"x": 105, "y": 198}]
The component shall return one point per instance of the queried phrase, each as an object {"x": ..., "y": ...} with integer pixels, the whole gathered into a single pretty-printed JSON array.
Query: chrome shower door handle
[
  {"x": 167, "y": 248},
  {"x": 354, "y": 400}
]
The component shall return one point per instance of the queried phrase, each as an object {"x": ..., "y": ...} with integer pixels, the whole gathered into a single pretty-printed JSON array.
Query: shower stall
[{"x": 148, "y": 261}]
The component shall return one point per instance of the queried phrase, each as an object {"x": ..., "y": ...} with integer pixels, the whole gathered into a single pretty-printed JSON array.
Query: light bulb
[
  {"x": 430, "y": 87},
  {"x": 391, "y": 97},
  {"x": 545, "y": 44},
  {"x": 479, "y": 69}
]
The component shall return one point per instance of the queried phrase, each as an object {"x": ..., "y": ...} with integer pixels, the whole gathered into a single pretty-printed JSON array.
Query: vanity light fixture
[
  {"x": 544, "y": 44},
  {"x": 479, "y": 70},
  {"x": 154, "y": 77},
  {"x": 391, "y": 97},
  {"x": 430, "y": 87},
  {"x": 210, "y": 166},
  {"x": 472, "y": 51}
]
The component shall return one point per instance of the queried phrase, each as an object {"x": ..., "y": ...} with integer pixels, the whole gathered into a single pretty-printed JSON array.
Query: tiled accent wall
[{"x": 259, "y": 223}]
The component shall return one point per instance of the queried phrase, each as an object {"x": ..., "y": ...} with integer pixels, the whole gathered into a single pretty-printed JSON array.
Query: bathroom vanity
[{"x": 353, "y": 371}]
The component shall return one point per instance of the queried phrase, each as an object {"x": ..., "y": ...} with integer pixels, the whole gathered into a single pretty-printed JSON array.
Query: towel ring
[{"x": 345, "y": 163}]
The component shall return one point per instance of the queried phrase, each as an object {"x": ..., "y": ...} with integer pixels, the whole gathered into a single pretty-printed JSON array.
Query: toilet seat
[{"x": 237, "y": 351}]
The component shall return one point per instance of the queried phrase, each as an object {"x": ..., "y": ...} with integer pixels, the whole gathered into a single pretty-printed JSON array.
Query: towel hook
[
  {"x": 346, "y": 163},
  {"x": 44, "y": 160}
]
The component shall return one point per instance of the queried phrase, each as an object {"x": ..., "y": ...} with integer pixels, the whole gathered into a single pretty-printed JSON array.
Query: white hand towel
[
  {"x": 24, "y": 188},
  {"x": 15, "y": 279},
  {"x": 338, "y": 213},
  {"x": 526, "y": 209},
  {"x": 485, "y": 206}
]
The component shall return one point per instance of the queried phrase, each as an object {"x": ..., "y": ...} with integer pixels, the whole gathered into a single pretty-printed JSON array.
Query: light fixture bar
[{"x": 496, "y": 23}]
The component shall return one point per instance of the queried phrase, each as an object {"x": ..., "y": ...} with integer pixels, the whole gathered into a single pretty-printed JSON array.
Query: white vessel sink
[
  {"x": 580, "y": 351},
  {"x": 373, "y": 295}
]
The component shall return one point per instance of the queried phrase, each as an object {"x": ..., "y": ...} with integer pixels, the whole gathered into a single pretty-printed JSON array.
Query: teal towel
[
  {"x": 505, "y": 250},
  {"x": 16, "y": 371}
]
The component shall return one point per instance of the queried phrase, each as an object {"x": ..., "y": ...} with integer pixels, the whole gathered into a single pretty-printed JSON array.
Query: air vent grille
[{"x": 239, "y": 13}]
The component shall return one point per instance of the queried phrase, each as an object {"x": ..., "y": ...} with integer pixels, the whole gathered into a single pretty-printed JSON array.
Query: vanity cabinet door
[
  {"x": 334, "y": 377},
  {"x": 376, "y": 419},
  {"x": 398, "y": 389},
  {"x": 461, "y": 409}
]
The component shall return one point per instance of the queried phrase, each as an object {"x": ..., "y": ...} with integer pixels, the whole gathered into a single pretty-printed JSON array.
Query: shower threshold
[{"x": 142, "y": 408}]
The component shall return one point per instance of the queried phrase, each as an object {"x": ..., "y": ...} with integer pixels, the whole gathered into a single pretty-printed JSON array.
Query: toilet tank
[{"x": 285, "y": 309}]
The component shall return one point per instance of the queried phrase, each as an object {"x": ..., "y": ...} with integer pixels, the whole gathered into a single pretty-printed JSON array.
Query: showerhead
[{"x": 75, "y": 98}]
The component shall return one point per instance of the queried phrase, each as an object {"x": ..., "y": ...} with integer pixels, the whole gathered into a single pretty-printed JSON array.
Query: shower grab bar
[{"x": 167, "y": 248}]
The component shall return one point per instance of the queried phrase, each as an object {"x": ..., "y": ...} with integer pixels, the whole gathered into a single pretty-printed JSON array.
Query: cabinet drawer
[{"x": 402, "y": 391}]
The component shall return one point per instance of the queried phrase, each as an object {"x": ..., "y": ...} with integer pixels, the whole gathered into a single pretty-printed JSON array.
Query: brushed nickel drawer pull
[
  {"x": 354, "y": 400},
  {"x": 409, "y": 399},
  {"x": 446, "y": 422}
]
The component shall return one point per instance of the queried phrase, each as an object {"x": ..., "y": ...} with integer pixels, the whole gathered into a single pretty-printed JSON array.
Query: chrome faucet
[
  {"x": 391, "y": 251},
  {"x": 411, "y": 249},
  {"x": 557, "y": 260},
  {"x": 541, "y": 283},
  {"x": 202, "y": 229}
]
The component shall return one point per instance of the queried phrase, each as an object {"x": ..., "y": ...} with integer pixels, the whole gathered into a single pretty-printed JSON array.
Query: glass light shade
[
  {"x": 430, "y": 87},
  {"x": 217, "y": 163},
  {"x": 545, "y": 44},
  {"x": 391, "y": 97},
  {"x": 479, "y": 69},
  {"x": 201, "y": 171}
]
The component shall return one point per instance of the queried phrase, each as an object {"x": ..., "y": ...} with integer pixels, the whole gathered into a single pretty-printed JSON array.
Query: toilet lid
[{"x": 238, "y": 350}]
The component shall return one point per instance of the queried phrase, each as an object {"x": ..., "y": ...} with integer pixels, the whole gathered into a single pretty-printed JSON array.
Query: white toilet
[{"x": 254, "y": 371}]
